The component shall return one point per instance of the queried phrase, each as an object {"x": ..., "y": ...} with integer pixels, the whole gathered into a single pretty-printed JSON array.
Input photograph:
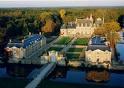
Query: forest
[{"x": 18, "y": 22}]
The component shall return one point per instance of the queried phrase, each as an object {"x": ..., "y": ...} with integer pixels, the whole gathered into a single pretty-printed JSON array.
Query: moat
[{"x": 12, "y": 77}]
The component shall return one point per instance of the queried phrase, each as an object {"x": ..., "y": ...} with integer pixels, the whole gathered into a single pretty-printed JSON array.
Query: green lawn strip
[
  {"x": 75, "y": 49},
  {"x": 81, "y": 41},
  {"x": 13, "y": 83},
  {"x": 63, "y": 40},
  {"x": 55, "y": 48},
  {"x": 72, "y": 56}
]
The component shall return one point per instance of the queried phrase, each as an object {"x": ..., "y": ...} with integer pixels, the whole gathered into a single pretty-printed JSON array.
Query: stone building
[
  {"x": 81, "y": 27},
  {"x": 53, "y": 56},
  {"x": 24, "y": 48},
  {"x": 98, "y": 53}
]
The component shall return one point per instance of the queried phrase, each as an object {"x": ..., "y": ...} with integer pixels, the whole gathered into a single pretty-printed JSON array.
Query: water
[
  {"x": 70, "y": 77},
  {"x": 15, "y": 76},
  {"x": 120, "y": 50}
]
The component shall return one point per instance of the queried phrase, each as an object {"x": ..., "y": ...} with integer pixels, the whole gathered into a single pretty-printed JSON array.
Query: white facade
[
  {"x": 98, "y": 56},
  {"x": 53, "y": 56},
  {"x": 78, "y": 32},
  {"x": 83, "y": 27}
]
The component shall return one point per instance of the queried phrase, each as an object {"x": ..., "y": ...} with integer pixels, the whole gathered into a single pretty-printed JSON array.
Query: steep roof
[
  {"x": 27, "y": 42},
  {"x": 33, "y": 38},
  {"x": 69, "y": 25},
  {"x": 100, "y": 47},
  {"x": 84, "y": 21},
  {"x": 97, "y": 40}
]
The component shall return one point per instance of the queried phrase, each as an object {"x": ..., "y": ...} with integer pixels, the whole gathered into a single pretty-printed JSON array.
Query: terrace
[
  {"x": 75, "y": 50},
  {"x": 71, "y": 56},
  {"x": 81, "y": 41},
  {"x": 55, "y": 48}
]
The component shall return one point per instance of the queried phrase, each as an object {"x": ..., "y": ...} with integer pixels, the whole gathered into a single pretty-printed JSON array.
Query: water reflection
[
  {"x": 69, "y": 75},
  {"x": 16, "y": 70},
  {"x": 59, "y": 72},
  {"x": 98, "y": 76},
  {"x": 84, "y": 76}
]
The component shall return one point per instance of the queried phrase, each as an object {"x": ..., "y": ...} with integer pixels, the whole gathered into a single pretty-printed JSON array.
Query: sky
[{"x": 58, "y": 3}]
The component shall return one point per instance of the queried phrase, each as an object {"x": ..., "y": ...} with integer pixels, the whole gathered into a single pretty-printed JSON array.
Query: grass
[
  {"x": 55, "y": 48},
  {"x": 81, "y": 41},
  {"x": 13, "y": 83},
  {"x": 75, "y": 49},
  {"x": 63, "y": 40},
  {"x": 72, "y": 56}
]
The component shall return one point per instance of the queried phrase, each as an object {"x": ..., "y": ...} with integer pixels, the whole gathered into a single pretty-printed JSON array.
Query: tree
[
  {"x": 45, "y": 15},
  {"x": 25, "y": 30},
  {"x": 49, "y": 26},
  {"x": 112, "y": 26},
  {"x": 62, "y": 13},
  {"x": 121, "y": 20},
  {"x": 100, "y": 31},
  {"x": 111, "y": 33},
  {"x": 1, "y": 36}
]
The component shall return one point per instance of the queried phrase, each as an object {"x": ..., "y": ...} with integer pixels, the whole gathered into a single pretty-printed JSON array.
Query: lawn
[
  {"x": 81, "y": 41},
  {"x": 55, "y": 48},
  {"x": 72, "y": 56},
  {"x": 75, "y": 49},
  {"x": 63, "y": 40}
]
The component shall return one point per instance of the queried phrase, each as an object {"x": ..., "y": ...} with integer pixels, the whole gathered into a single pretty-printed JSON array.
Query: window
[
  {"x": 79, "y": 24},
  {"x": 97, "y": 52},
  {"x": 97, "y": 59}
]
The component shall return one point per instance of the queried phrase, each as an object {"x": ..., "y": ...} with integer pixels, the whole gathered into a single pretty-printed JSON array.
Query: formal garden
[
  {"x": 55, "y": 48},
  {"x": 81, "y": 41},
  {"x": 75, "y": 50},
  {"x": 63, "y": 41},
  {"x": 71, "y": 56}
]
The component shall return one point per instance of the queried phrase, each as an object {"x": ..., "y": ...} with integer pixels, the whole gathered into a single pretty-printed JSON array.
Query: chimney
[
  {"x": 29, "y": 33},
  {"x": 10, "y": 40},
  {"x": 91, "y": 18},
  {"x": 39, "y": 33},
  {"x": 22, "y": 40}
]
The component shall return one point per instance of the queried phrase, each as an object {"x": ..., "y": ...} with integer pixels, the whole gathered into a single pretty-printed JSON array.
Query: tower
[{"x": 91, "y": 18}]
